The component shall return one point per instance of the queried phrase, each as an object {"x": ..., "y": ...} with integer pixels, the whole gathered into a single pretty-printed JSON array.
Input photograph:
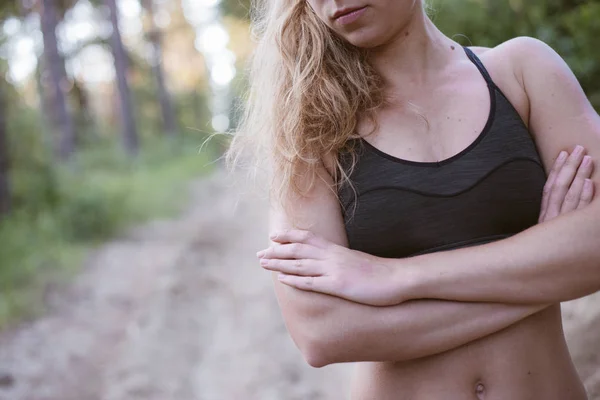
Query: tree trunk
[
  {"x": 55, "y": 66},
  {"x": 4, "y": 163},
  {"x": 130, "y": 136},
  {"x": 47, "y": 109},
  {"x": 166, "y": 106},
  {"x": 87, "y": 127}
]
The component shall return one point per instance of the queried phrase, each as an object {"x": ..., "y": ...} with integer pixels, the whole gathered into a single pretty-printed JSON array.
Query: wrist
[{"x": 406, "y": 278}]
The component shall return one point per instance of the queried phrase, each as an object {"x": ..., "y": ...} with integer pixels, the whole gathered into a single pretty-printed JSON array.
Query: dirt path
[{"x": 176, "y": 310}]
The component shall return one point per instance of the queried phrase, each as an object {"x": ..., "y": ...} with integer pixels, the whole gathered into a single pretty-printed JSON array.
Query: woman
[{"x": 406, "y": 195}]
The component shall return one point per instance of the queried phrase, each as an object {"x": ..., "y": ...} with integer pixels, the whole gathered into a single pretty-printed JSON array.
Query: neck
[{"x": 414, "y": 56}]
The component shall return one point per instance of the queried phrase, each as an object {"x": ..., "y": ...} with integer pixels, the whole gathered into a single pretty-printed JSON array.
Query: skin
[{"x": 420, "y": 331}]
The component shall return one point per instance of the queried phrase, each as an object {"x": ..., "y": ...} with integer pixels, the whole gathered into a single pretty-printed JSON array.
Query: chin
[{"x": 366, "y": 38}]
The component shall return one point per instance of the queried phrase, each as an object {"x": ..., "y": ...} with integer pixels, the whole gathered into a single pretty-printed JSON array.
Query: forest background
[{"x": 106, "y": 105}]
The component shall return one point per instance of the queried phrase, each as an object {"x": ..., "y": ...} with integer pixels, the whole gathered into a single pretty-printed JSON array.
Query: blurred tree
[
  {"x": 130, "y": 135},
  {"x": 6, "y": 10},
  {"x": 46, "y": 108},
  {"x": 45, "y": 85},
  {"x": 4, "y": 162},
  {"x": 154, "y": 36},
  {"x": 58, "y": 81},
  {"x": 236, "y": 8},
  {"x": 85, "y": 121}
]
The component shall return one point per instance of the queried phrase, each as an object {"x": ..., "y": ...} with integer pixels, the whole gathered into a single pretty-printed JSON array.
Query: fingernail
[
  {"x": 264, "y": 261},
  {"x": 578, "y": 150},
  {"x": 260, "y": 254},
  {"x": 281, "y": 277},
  {"x": 562, "y": 155},
  {"x": 273, "y": 235},
  {"x": 587, "y": 160}
]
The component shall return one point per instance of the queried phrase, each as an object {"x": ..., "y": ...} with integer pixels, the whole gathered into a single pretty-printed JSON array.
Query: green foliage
[
  {"x": 61, "y": 210},
  {"x": 193, "y": 112},
  {"x": 33, "y": 180},
  {"x": 236, "y": 8},
  {"x": 571, "y": 27},
  {"x": 90, "y": 211},
  {"x": 107, "y": 191},
  {"x": 34, "y": 257}
]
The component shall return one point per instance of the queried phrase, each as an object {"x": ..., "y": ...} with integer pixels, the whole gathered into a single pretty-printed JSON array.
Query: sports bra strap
[{"x": 479, "y": 66}]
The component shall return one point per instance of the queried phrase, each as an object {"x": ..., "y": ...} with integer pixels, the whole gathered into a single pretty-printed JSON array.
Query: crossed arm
[
  {"x": 331, "y": 329},
  {"x": 511, "y": 279}
]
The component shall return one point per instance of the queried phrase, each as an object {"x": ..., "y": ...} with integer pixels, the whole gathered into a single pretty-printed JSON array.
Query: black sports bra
[{"x": 489, "y": 191}]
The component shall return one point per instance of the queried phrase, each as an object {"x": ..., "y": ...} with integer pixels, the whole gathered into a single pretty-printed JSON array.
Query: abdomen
[{"x": 528, "y": 360}]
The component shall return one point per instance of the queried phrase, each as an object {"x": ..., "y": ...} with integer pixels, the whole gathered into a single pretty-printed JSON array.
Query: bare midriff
[{"x": 526, "y": 361}]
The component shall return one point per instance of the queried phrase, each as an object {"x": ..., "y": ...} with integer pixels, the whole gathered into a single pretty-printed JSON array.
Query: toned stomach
[{"x": 528, "y": 360}]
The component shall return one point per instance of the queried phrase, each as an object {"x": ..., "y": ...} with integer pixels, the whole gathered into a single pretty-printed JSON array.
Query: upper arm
[
  {"x": 560, "y": 115},
  {"x": 318, "y": 211}
]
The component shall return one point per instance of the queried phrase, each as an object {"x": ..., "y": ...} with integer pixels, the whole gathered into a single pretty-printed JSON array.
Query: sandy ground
[{"x": 178, "y": 310}]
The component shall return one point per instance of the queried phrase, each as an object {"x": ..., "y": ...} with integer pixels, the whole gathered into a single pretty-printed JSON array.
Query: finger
[
  {"x": 290, "y": 251},
  {"x": 298, "y": 236},
  {"x": 573, "y": 196},
  {"x": 307, "y": 283},
  {"x": 298, "y": 267},
  {"x": 563, "y": 182},
  {"x": 558, "y": 164},
  {"x": 587, "y": 194}
]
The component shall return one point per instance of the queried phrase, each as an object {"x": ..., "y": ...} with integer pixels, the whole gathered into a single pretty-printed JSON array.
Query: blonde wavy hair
[{"x": 308, "y": 89}]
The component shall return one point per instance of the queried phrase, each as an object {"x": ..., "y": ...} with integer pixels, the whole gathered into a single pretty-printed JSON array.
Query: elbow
[
  {"x": 318, "y": 347},
  {"x": 311, "y": 326},
  {"x": 315, "y": 354}
]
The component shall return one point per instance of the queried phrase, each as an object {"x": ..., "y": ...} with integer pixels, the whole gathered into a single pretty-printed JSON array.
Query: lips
[{"x": 346, "y": 11}]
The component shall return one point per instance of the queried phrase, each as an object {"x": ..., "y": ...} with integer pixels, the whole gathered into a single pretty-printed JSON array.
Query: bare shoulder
[
  {"x": 519, "y": 54},
  {"x": 499, "y": 62},
  {"x": 510, "y": 62},
  {"x": 516, "y": 46},
  {"x": 532, "y": 61},
  {"x": 524, "y": 46},
  {"x": 479, "y": 50}
]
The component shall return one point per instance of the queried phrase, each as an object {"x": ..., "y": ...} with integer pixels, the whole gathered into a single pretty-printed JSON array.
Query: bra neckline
[{"x": 463, "y": 152}]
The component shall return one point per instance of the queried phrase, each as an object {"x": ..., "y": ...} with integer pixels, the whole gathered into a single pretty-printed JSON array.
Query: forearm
[
  {"x": 332, "y": 330},
  {"x": 549, "y": 263}
]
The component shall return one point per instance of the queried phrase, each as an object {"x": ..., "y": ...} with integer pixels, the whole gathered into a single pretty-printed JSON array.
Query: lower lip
[{"x": 351, "y": 17}]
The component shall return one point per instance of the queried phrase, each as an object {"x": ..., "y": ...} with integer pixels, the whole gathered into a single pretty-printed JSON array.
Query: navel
[{"x": 480, "y": 390}]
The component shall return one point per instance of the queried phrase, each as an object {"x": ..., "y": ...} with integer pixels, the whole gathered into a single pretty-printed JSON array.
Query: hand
[
  {"x": 568, "y": 186},
  {"x": 309, "y": 262}
]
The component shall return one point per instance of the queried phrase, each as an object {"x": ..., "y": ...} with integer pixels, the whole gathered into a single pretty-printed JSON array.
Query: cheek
[{"x": 318, "y": 8}]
